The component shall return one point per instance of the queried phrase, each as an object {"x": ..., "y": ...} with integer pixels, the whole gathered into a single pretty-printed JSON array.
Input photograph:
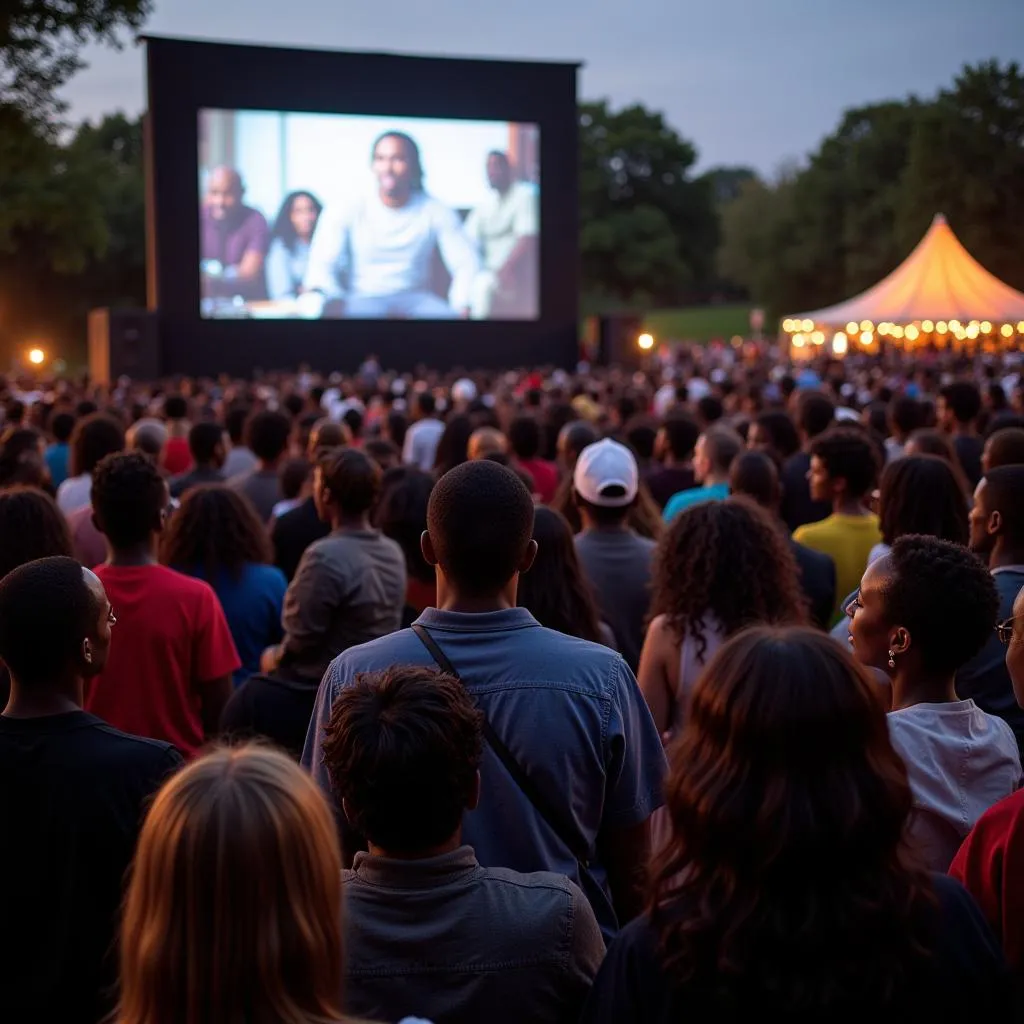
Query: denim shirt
[
  {"x": 448, "y": 939},
  {"x": 570, "y": 712}
]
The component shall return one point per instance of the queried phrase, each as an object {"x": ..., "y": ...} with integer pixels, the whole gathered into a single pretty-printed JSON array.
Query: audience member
[
  {"x": 207, "y": 455},
  {"x": 958, "y": 409},
  {"x": 485, "y": 442},
  {"x": 524, "y": 438},
  {"x": 216, "y": 537},
  {"x": 169, "y": 677},
  {"x": 58, "y": 454},
  {"x": 997, "y": 534},
  {"x": 555, "y": 591},
  {"x": 239, "y": 459},
  {"x": 773, "y": 432},
  {"x": 350, "y": 586},
  {"x": 176, "y": 458},
  {"x": 424, "y": 435},
  {"x": 712, "y": 459},
  {"x": 93, "y": 438},
  {"x": 673, "y": 450},
  {"x": 615, "y": 559},
  {"x": 72, "y": 794},
  {"x": 815, "y": 413},
  {"x": 295, "y": 475},
  {"x": 785, "y": 893},
  {"x": 403, "y": 749},
  {"x": 922, "y": 611},
  {"x": 754, "y": 475},
  {"x": 1003, "y": 448},
  {"x": 903, "y": 416},
  {"x": 569, "y": 712},
  {"x": 453, "y": 446},
  {"x": 843, "y": 470},
  {"x": 267, "y": 434},
  {"x": 148, "y": 436}
]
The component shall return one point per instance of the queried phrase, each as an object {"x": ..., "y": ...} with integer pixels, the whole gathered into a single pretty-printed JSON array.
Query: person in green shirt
[{"x": 844, "y": 468}]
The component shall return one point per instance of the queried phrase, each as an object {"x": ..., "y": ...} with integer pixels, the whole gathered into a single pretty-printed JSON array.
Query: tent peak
[{"x": 939, "y": 218}]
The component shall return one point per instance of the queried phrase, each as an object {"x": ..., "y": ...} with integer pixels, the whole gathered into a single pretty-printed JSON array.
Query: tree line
[{"x": 653, "y": 231}]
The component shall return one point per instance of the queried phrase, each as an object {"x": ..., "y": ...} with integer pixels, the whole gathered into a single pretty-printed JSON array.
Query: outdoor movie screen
[{"x": 326, "y": 216}]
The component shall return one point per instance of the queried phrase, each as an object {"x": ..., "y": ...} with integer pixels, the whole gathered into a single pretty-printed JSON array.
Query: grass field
[{"x": 701, "y": 323}]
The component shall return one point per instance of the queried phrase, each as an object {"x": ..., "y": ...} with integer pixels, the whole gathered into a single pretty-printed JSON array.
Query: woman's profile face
[
  {"x": 303, "y": 216},
  {"x": 870, "y": 628}
]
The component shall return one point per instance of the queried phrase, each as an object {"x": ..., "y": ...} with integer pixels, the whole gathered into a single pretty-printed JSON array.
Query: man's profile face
[
  {"x": 392, "y": 164},
  {"x": 223, "y": 193},
  {"x": 499, "y": 174},
  {"x": 981, "y": 540}
]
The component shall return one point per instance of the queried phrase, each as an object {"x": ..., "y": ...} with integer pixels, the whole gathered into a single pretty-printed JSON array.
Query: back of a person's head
[
  {"x": 216, "y": 528},
  {"x": 727, "y": 563},
  {"x": 781, "y": 432},
  {"x": 403, "y": 748},
  {"x": 485, "y": 442},
  {"x": 922, "y": 494},
  {"x": 235, "y": 421},
  {"x": 401, "y": 514},
  {"x": 148, "y": 436},
  {"x": 326, "y": 434},
  {"x": 709, "y": 410},
  {"x": 944, "y": 596},
  {"x": 293, "y": 475},
  {"x": 175, "y": 407},
  {"x": 681, "y": 432},
  {"x": 849, "y": 455},
  {"x": 203, "y": 440},
  {"x": 815, "y": 413},
  {"x": 1004, "y": 493},
  {"x": 755, "y": 476},
  {"x": 963, "y": 399},
  {"x": 722, "y": 445},
  {"x": 930, "y": 441},
  {"x": 128, "y": 498},
  {"x": 31, "y": 527},
  {"x": 426, "y": 403},
  {"x": 46, "y": 611},
  {"x": 640, "y": 435},
  {"x": 524, "y": 437},
  {"x": 453, "y": 445},
  {"x": 21, "y": 458},
  {"x": 62, "y": 426},
  {"x": 577, "y": 436},
  {"x": 905, "y": 415},
  {"x": 480, "y": 521},
  {"x": 94, "y": 437},
  {"x": 1005, "y": 448},
  {"x": 784, "y": 760},
  {"x": 234, "y": 900},
  {"x": 352, "y": 478},
  {"x": 267, "y": 434}
]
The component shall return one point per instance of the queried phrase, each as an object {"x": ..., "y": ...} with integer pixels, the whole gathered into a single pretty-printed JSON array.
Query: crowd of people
[{"x": 527, "y": 696}]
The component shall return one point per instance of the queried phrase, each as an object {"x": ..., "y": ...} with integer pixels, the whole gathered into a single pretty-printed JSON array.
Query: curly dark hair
[
  {"x": 94, "y": 438},
  {"x": 555, "y": 590},
  {"x": 215, "y": 529},
  {"x": 730, "y": 561},
  {"x": 848, "y": 455},
  {"x": 20, "y": 458},
  {"x": 922, "y": 494},
  {"x": 402, "y": 749},
  {"x": 1005, "y": 447},
  {"x": 945, "y": 597},
  {"x": 401, "y": 514},
  {"x": 31, "y": 527},
  {"x": 128, "y": 496},
  {"x": 784, "y": 765},
  {"x": 784, "y": 439}
]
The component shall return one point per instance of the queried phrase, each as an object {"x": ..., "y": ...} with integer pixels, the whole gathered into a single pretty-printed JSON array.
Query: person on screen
[
  {"x": 504, "y": 227},
  {"x": 233, "y": 240},
  {"x": 290, "y": 239},
  {"x": 374, "y": 257}
]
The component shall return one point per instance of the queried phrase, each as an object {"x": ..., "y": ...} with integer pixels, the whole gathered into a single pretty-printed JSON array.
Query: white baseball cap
[{"x": 604, "y": 467}]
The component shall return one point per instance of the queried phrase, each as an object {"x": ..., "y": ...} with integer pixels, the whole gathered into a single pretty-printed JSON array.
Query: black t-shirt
[
  {"x": 967, "y": 979},
  {"x": 271, "y": 707},
  {"x": 968, "y": 452},
  {"x": 293, "y": 533},
  {"x": 73, "y": 792},
  {"x": 665, "y": 482}
]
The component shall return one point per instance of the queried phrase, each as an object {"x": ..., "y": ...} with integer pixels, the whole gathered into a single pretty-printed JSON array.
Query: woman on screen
[{"x": 288, "y": 254}]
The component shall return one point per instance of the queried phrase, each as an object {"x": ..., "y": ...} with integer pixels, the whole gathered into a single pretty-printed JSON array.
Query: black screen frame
[{"x": 185, "y": 77}]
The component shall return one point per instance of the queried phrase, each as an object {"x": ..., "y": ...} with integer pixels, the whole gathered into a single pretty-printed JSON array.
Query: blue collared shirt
[{"x": 570, "y": 712}]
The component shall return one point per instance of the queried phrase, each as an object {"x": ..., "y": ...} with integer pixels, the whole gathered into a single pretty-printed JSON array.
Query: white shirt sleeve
[
  {"x": 525, "y": 212},
  {"x": 459, "y": 255},
  {"x": 328, "y": 255}
]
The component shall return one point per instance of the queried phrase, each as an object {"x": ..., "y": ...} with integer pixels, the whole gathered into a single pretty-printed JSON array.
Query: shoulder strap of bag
[{"x": 512, "y": 766}]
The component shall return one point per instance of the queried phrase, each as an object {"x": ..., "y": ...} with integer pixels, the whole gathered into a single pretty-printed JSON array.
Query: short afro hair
[
  {"x": 46, "y": 610},
  {"x": 681, "y": 432},
  {"x": 1004, "y": 493},
  {"x": 402, "y": 749},
  {"x": 480, "y": 521},
  {"x": 203, "y": 439},
  {"x": 815, "y": 412},
  {"x": 1006, "y": 448},
  {"x": 945, "y": 597},
  {"x": 93, "y": 439},
  {"x": 128, "y": 496},
  {"x": 849, "y": 455},
  {"x": 963, "y": 398},
  {"x": 267, "y": 434}
]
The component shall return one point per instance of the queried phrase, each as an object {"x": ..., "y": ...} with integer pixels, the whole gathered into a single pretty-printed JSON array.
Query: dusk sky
[{"x": 752, "y": 82}]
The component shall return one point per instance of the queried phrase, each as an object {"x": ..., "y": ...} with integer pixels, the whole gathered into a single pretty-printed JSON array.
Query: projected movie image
[{"x": 331, "y": 216}]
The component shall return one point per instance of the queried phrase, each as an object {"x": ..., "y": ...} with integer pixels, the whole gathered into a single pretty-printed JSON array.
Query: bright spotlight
[
  {"x": 36, "y": 356},
  {"x": 646, "y": 342}
]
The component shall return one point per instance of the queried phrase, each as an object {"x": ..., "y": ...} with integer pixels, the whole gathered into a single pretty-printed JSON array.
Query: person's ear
[
  {"x": 529, "y": 557},
  {"x": 87, "y": 651},
  {"x": 427, "y": 549},
  {"x": 474, "y": 797},
  {"x": 995, "y": 522},
  {"x": 900, "y": 641}
]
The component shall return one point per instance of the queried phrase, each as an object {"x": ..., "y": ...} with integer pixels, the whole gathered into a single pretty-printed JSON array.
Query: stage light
[
  {"x": 840, "y": 343},
  {"x": 36, "y": 356},
  {"x": 646, "y": 342},
  {"x": 927, "y": 326}
]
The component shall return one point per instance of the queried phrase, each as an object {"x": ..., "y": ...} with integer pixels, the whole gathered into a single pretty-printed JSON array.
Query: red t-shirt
[
  {"x": 545, "y": 478},
  {"x": 990, "y": 865},
  {"x": 177, "y": 459},
  {"x": 171, "y": 637}
]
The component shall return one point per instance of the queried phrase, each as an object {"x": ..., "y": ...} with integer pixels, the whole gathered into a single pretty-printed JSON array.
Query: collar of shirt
[
  {"x": 429, "y": 872},
  {"x": 476, "y": 622},
  {"x": 1007, "y": 568}
]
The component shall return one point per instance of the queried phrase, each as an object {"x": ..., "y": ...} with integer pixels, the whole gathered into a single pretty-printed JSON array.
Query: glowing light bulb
[
  {"x": 36, "y": 356},
  {"x": 852, "y": 328},
  {"x": 1006, "y": 330},
  {"x": 866, "y": 337},
  {"x": 840, "y": 343},
  {"x": 927, "y": 326},
  {"x": 808, "y": 325},
  {"x": 986, "y": 327},
  {"x": 866, "y": 325},
  {"x": 646, "y": 342},
  {"x": 940, "y": 327},
  {"x": 912, "y": 333}
]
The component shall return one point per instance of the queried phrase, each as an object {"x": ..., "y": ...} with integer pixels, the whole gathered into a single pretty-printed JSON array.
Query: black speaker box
[{"x": 123, "y": 342}]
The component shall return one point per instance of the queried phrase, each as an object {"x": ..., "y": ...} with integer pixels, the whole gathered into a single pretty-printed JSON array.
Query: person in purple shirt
[{"x": 234, "y": 240}]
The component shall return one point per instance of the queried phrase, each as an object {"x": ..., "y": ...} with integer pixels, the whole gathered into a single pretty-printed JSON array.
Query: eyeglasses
[{"x": 1004, "y": 630}]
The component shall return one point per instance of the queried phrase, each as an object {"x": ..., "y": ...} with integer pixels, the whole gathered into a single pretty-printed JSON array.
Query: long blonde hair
[{"x": 233, "y": 911}]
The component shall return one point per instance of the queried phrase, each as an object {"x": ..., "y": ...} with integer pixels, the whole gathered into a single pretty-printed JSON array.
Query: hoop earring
[{"x": 892, "y": 659}]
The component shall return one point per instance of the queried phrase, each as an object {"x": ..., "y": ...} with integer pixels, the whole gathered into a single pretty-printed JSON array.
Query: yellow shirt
[{"x": 848, "y": 541}]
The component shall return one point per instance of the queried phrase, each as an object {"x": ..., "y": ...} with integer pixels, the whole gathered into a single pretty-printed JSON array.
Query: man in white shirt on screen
[
  {"x": 374, "y": 257},
  {"x": 504, "y": 227}
]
